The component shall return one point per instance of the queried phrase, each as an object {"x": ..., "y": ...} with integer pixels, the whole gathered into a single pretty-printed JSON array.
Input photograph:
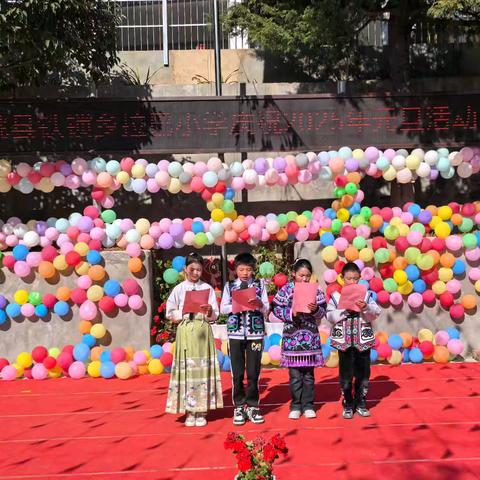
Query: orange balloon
[
  {"x": 95, "y": 353},
  {"x": 96, "y": 273},
  {"x": 129, "y": 351},
  {"x": 238, "y": 225},
  {"x": 282, "y": 235},
  {"x": 469, "y": 302},
  {"x": 346, "y": 201},
  {"x": 400, "y": 263},
  {"x": 46, "y": 269},
  {"x": 393, "y": 254},
  {"x": 323, "y": 336},
  {"x": 135, "y": 265},
  {"x": 407, "y": 339},
  {"x": 447, "y": 260},
  {"x": 433, "y": 209},
  {"x": 231, "y": 236},
  {"x": 376, "y": 221},
  {"x": 351, "y": 254},
  {"x": 147, "y": 242},
  {"x": 456, "y": 219},
  {"x": 440, "y": 354},
  {"x": 354, "y": 177},
  {"x": 435, "y": 255},
  {"x": 63, "y": 293},
  {"x": 142, "y": 369},
  {"x": 382, "y": 337},
  {"x": 84, "y": 326},
  {"x": 335, "y": 205}
]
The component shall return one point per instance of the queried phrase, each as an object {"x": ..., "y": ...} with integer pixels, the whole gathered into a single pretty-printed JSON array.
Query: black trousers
[
  {"x": 302, "y": 387},
  {"x": 245, "y": 355},
  {"x": 354, "y": 376}
]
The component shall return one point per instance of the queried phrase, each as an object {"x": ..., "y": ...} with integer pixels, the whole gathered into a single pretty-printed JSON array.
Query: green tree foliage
[
  {"x": 462, "y": 10},
  {"x": 41, "y": 40}
]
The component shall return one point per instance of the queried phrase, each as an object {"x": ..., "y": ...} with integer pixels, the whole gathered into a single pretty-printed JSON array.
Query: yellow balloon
[
  {"x": 5, "y": 167},
  {"x": 343, "y": 214},
  {"x": 172, "y": 348},
  {"x": 445, "y": 212},
  {"x": 389, "y": 174},
  {"x": 224, "y": 348},
  {"x": 477, "y": 286},
  {"x": 82, "y": 268},
  {"x": 123, "y": 370},
  {"x": 4, "y": 186},
  {"x": 266, "y": 358},
  {"x": 400, "y": 277},
  {"x": 21, "y": 297},
  {"x": 425, "y": 334},
  {"x": 218, "y": 199},
  {"x": 302, "y": 220},
  {"x": 59, "y": 263},
  {"x": 123, "y": 177},
  {"x": 46, "y": 185},
  {"x": 357, "y": 154},
  {"x": 24, "y": 359},
  {"x": 329, "y": 254},
  {"x": 55, "y": 372},
  {"x": 138, "y": 171},
  {"x": 210, "y": 206},
  {"x": 340, "y": 280},
  {"x": 442, "y": 230},
  {"x": 445, "y": 274},
  {"x": 217, "y": 215},
  {"x": 275, "y": 362},
  {"x": 95, "y": 293},
  {"x": 412, "y": 162},
  {"x": 395, "y": 358},
  {"x": 142, "y": 226},
  {"x": 19, "y": 369},
  {"x": 98, "y": 330},
  {"x": 155, "y": 366},
  {"x": 435, "y": 221},
  {"x": 175, "y": 186},
  {"x": 332, "y": 361},
  {"x": 366, "y": 255},
  {"x": 93, "y": 368},
  {"x": 81, "y": 248},
  {"x": 405, "y": 289},
  {"x": 403, "y": 229},
  {"x": 396, "y": 221},
  {"x": 147, "y": 353},
  {"x": 439, "y": 287}
]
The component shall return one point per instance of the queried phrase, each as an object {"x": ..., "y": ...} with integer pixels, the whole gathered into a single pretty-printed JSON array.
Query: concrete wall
[
  {"x": 403, "y": 319},
  {"x": 126, "y": 328}
]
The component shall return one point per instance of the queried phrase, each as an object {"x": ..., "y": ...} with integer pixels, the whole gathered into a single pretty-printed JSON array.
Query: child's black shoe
[
  {"x": 239, "y": 416},
  {"x": 254, "y": 415}
]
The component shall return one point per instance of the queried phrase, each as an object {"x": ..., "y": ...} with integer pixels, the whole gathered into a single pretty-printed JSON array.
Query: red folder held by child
[
  {"x": 304, "y": 293},
  {"x": 350, "y": 295},
  {"x": 194, "y": 299},
  {"x": 241, "y": 298}
]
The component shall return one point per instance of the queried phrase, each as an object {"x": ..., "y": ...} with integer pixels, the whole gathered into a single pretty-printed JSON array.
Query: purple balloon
[
  {"x": 3, "y": 302},
  {"x": 433, "y": 174},
  {"x": 163, "y": 165},
  {"x": 260, "y": 165},
  {"x": 165, "y": 241},
  {"x": 176, "y": 230},
  {"x": 279, "y": 164},
  {"x": 425, "y": 216},
  {"x": 85, "y": 224},
  {"x": 351, "y": 165},
  {"x": 66, "y": 169},
  {"x": 41, "y": 227}
]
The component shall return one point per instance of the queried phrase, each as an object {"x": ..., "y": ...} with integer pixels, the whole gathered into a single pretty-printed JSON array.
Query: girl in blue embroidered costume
[
  {"x": 301, "y": 347},
  {"x": 353, "y": 336},
  {"x": 195, "y": 385}
]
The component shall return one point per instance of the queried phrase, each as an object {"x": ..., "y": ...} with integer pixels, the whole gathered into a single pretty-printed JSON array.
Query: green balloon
[
  {"x": 201, "y": 239},
  {"x": 418, "y": 227},
  {"x": 108, "y": 216},
  {"x": 308, "y": 214},
  {"x": 469, "y": 240},
  {"x": 35, "y": 298},
  {"x": 339, "y": 192},
  {"x": 170, "y": 275},
  {"x": 390, "y": 285},
  {"x": 359, "y": 243},
  {"x": 366, "y": 213},
  {"x": 466, "y": 225},
  {"x": 351, "y": 188},
  {"x": 425, "y": 262},
  {"x": 357, "y": 220},
  {"x": 54, "y": 352},
  {"x": 291, "y": 215},
  {"x": 267, "y": 270},
  {"x": 282, "y": 219},
  {"x": 228, "y": 206},
  {"x": 412, "y": 254},
  {"x": 336, "y": 226},
  {"x": 382, "y": 255},
  {"x": 391, "y": 232}
]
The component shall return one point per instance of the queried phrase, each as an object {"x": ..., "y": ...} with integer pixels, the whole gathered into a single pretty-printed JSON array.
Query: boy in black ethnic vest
[
  {"x": 352, "y": 335},
  {"x": 245, "y": 335}
]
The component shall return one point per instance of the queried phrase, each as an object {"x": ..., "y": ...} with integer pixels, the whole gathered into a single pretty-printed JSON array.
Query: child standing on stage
[
  {"x": 301, "y": 346},
  {"x": 352, "y": 334},
  {"x": 245, "y": 334},
  {"x": 195, "y": 385}
]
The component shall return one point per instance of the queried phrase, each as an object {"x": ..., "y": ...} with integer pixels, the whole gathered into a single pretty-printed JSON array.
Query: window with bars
[{"x": 190, "y": 25}]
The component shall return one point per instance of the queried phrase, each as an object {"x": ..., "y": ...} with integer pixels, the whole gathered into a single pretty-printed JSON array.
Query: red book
[{"x": 194, "y": 299}]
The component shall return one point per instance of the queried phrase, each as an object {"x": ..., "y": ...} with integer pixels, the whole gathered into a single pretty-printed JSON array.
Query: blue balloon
[
  {"x": 383, "y": 227},
  {"x": 112, "y": 288},
  {"x": 414, "y": 209},
  {"x": 326, "y": 349},
  {"x": 266, "y": 344},
  {"x": 13, "y": 310},
  {"x": 419, "y": 286},
  {"x": 374, "y": 296},
  {"x": 94, "y": 257},
  {"x": 477, "y": 234},
  {"x": 81, "y": 352},
  {"x": 105, "y": 356},
  {"x": 61, "y": 308},
  {"x": 328, "y": 341},
  {"x": 275, "y": 339},
  {"x": 226, "y": 365},
  {"x": 364, "y": 282},
  {"x": 220, "y": 357},
  {"x": 416, "y": 355},
  {"x": 413, "y": 272},
  {"x": 395, "y": 341},
  {"x": 453, "y": 333},
  {"x": 355, "y": 209},
  {"x": 197, "y": 227},
  {"x": 167, "y": 369},
  {"x": 89, "y": 340},
  {"x": 406, "y": 355},
  {"x": 41, "y": 310},
  {"x": 229, "y": 194},
  {"x": 458, "y": 267},
  {"x": 3, "y": 317},
  {"x": 330, "y": 213},
  {"x": 373, "y": 355},
  {"x": 178, "y": 263},
  {"x": 327, "y": 239},
  {"x": 107, "y": 370},
  {"x": 20, "y": 252},
  {"x": 156, "y": 351}
]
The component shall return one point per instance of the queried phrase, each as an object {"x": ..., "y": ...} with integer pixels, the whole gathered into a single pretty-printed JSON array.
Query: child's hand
[
  {"x": 313, "y": 307},
  {"x": 255, "y": 302},
  {"x": 361, "y": 305},
  {"x": 206, "y": 310}
]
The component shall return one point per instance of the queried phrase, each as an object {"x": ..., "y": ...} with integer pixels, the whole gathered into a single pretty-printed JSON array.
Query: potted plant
[{"x": 255, "y": 458}]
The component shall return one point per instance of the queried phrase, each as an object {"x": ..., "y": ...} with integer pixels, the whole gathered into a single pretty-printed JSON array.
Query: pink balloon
[
  {"x": 33, "y": 259},
  {"x": 121, "y": 300},
  {"x": 330, "y": 276},
  {"x": 313, "y": 227},
  {"x": 473, "y": 255},
  {"x": 21, "y": 269},
  {"x": 474, "y": 274},
  {"x": 84, "y": 282},
  {"x": 415, "y": 300},
  {"x": 406, "y": 218},
  {"x": 27, "y": 310},
  {"x": 135, "y": 302},
  {"x": 302, "y": 234},
  {"x": 237, "y": 183},
  {"x": 77, "y": 370},
  {"x": 396, "y": 299},
  {"x": 275, "y": 352},
  {"x": 140, "y": 358},
  {"x": 255, "y": 231},
  {"x": 133, "y": 250},
  {"x": 39, "y": 372},
  {"x": 8, "y": 373},
  {"x": 368, "y": 273},
  {"x": 363, "y": 231},
  {"x": 88, "y": 310},
  {"x": 265, "y": 235},
  {"x": 454, "y": 242},
  {"x": 167, "y": 346},
  {"x": 441, "y": 337},
  {"x": 155, "y": 231},
  {"x": 414, "y": 237},
  {"x": 454, "y": 346},
  {"x": 454, "y": 286},
  {"x": 340, "y": 244},
  {"x": 52, "y": 233}
]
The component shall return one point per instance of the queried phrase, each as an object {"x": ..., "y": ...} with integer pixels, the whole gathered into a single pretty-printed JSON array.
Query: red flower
[
  {"x": 279, "y": 443},
  {"x": 161, "y": 308},
  {"x": 164, "y": 335},
  {"x": 269, "y": 453},
  {"x": 239, "y": 446},
  {"x": 244, "y": 464},
  {"x": 153, "y": 331},
  {"x": 156, "y": 319},
  {"x": 242, "y": 451},
  {"x": 270, "y": 298},
  {"x": 230, "y": 441}
]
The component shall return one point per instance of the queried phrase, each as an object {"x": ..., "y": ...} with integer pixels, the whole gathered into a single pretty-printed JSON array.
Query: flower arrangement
[{"x": 255, "y": 458}]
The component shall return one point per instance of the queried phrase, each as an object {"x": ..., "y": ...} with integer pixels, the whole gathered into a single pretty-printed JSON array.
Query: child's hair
[
  {"x": 245, "y": 259},
  {"x": 350, "y": 267},
  {"x": 194, "y": 258},
  {"x": 302, "y": 263}
]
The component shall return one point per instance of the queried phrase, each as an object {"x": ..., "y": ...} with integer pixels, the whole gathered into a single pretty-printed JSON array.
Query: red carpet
[{"x": 425, "y": 424}]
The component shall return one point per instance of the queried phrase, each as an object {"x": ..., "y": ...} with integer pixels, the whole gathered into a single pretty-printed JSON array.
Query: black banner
[{"x": 234, "y": 124}]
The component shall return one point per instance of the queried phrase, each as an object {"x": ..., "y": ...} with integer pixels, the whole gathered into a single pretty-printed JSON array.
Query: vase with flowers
[{"x": 255, "y": 458}]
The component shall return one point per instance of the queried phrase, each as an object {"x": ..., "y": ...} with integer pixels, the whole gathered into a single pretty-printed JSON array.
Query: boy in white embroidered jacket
[{"x": 352, "y": 335}]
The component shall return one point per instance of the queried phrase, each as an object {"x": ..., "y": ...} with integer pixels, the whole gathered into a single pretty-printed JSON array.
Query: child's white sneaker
[
  {"x": 190, "y": 420},
  {"x": 310, "y": 413},
  {"x": 295, "y": 414},
  {"x": 200, "y": 420}
]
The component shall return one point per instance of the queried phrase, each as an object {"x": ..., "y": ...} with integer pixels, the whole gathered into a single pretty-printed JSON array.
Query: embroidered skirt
[{"x": 195, "y": 384}]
